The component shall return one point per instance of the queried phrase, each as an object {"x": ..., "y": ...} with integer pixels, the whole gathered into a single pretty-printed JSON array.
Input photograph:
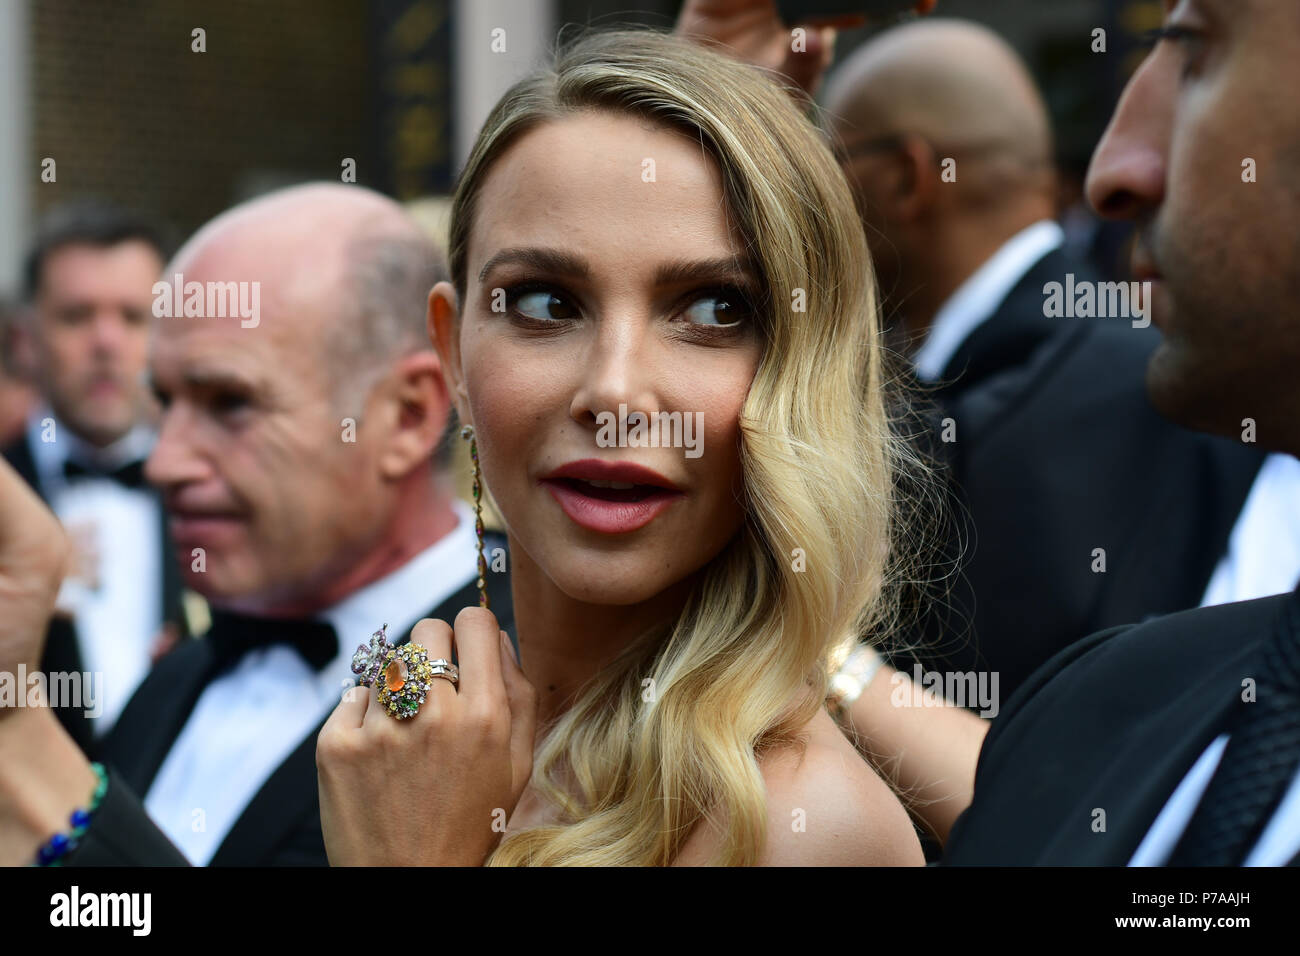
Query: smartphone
[{"x": 798, "y": 11}]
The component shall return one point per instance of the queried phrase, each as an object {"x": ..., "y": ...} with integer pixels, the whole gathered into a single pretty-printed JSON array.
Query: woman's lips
[{"x": 610, "y": 510}]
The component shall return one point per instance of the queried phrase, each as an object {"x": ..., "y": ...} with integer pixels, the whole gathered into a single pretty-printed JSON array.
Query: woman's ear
[{"x": 443, "y": 322}]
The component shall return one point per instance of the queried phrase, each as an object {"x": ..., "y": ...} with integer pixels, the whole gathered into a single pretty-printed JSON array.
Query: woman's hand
[
  {"x": 43, "y": 775},
  {"x": 437, "y": 788},
  {"x": 34, "y": 554}
]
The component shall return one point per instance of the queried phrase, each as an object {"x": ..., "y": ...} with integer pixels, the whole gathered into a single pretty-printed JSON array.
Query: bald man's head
[
  {"x": 297, "y": 453},
  {"x": 960, "y": 87},
  {"x": 341, "y": 268}
]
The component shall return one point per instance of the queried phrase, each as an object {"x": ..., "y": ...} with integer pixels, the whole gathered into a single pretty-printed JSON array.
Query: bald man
[
  {"x": 1078, "y": 506},
  {"x": 948, "y": 145},
  {"x": 298, "y": 461}
]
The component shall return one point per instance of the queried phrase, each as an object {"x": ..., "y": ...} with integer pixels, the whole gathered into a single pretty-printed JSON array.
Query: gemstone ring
[
  {"x": 407, "y": 672},
  {"x": 369, "y": 659},
  {"x": 445, "y": 669}
]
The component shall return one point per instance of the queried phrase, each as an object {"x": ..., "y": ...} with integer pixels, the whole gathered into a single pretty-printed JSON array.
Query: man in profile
[
  {"x": 1067, "y": 484},
  {"x": 301, "y": 463},
  {"x": 1177, "y": 742}
]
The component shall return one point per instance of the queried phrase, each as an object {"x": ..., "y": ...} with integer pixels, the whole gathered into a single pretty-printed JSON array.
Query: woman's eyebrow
[
  {"x": 723, "y": 269},
  {"x": 546, "y": 260}
]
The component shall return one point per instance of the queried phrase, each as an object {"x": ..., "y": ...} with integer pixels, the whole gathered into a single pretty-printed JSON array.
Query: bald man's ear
[
  {"x": 443, "y": 322},
  {"x": 919, "y": 180},
  {"x": 419, "y": 410}
]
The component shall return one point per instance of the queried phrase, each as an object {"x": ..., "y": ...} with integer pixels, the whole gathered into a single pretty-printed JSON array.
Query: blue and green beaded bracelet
[{"x": 61, "y": 844}]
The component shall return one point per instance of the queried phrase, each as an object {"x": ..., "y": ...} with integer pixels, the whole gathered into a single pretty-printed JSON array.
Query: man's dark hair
[{"x": 91, "y": 222}]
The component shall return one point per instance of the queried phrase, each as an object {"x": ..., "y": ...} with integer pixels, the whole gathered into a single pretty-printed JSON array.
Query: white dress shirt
[
  {"x": 1263, "y": 555},
  {"x": 118, "y": 620},
  {"x": 1263, "y": 558},
  {"x": 981, "y": 294},
  {"x": 250, "y": 719}
]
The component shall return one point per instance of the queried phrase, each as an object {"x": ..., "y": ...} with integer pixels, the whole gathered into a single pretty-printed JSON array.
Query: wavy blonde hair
[{"x": 746, "y": 664}]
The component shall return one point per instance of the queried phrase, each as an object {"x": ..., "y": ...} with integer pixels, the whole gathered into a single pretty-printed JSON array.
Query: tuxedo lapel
[
  {"x": 1143, "y": 775},
  {"x": 1013, "y": 332},
  {"x": 153, "y": 718},
  {"x": 286, "y": 802}
]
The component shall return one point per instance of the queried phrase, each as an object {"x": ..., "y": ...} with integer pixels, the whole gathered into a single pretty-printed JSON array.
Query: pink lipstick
[{"x": 610, "y": 497}]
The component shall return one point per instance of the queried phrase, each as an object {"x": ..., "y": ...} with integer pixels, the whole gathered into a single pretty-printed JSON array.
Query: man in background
[
  {"x": 301, "y": 458},
  {"x": 84, "y": 333},
  {"x": 1177, "y": 742},
  {"x": 1068, "y": 487}
]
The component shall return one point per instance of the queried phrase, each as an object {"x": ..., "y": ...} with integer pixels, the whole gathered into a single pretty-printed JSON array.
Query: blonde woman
[{"x": 649, "y": 227}]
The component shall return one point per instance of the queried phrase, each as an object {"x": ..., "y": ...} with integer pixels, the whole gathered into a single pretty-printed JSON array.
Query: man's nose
[
  {"x": 110, "y": 330},
  {"x": 1127, "y": 176},
  {"x": 174, "y": 459}
]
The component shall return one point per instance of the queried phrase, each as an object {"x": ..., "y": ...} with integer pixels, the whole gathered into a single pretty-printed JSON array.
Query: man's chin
[
  {"x": 1189, "y": 393},
  {"x": 101, "y": 429},
  {"x": 217, "y": 587}
]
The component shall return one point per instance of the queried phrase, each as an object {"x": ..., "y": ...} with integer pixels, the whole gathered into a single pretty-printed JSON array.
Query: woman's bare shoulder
[
  {"x": 828, "y": 807},
  {"x": 825, "y": 807}
]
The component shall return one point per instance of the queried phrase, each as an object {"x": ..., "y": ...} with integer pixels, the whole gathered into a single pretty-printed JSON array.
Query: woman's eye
[
  {"x": 544, "y": 306},
  {"x": 717, "y": 310}
]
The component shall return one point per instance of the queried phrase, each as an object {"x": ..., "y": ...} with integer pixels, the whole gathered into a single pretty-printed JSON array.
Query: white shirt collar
[
  {"x": 50, "y": 456},
  {"x": 406, "y": 595},
  {"x": 980, "y": 295}
]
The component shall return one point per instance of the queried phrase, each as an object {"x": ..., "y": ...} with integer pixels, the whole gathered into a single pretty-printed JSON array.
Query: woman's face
[{"x": 603, "y": 281}]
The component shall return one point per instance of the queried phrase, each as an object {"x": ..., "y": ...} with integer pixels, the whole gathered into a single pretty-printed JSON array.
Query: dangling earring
[{"x": 468, "y": 434}]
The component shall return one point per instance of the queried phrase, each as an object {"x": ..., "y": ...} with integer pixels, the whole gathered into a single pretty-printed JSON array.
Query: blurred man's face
[
  {"x": 1212, "y": 106},
  {"x": 267, "y": 501},
  {"x": 91, "y": 335}
]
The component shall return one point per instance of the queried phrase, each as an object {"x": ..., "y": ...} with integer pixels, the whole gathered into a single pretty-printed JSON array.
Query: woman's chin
[{"x": 597, "y": 585}]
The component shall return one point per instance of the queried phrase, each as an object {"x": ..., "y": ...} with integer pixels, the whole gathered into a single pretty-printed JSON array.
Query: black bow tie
[
  {"x": 234, "y": 635},
  {"x": 128, "y": 476}
]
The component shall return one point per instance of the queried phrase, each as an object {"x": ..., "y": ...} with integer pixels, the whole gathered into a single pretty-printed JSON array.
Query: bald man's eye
[
  {"x": 541, "y": 304},
  {"x": 229, "y": 402}
]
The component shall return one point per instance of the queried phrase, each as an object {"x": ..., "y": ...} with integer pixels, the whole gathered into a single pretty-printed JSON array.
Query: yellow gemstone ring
[{"x": 405, "y": 678}]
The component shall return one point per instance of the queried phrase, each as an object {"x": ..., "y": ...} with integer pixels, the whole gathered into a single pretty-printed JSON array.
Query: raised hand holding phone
[{"x": 762, "y": 31}]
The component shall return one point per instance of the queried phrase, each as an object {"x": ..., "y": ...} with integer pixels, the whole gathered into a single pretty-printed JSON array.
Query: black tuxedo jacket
[
  {"x": 62, "y": 647},
  {"x": 1058, "y": 452},
  {"x": 281, "y": 824},
  {"x": 1113, "y": 723},
  {"x": 1017, "y": 329}
]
